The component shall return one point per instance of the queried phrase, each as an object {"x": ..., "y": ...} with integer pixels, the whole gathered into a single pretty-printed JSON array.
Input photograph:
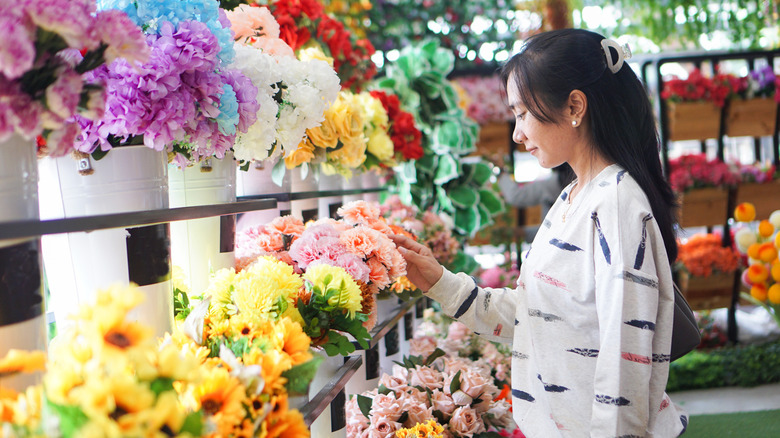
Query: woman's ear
[{"x": 577, "y": 106}]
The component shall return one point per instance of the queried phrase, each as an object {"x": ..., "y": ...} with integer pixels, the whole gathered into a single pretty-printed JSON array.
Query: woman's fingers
[{"x": 406, "y": 242}]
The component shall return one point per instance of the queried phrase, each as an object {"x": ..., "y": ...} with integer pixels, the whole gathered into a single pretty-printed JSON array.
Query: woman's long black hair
[{"x": 553, "y": 64}]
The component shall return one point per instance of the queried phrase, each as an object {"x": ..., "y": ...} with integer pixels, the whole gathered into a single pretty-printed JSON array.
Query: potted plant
[
  {"x": 702, "y": 186},
  {"x": 694, "y": 104},
  {"x": 758, "y": 185},
  {"x": 706, "y": 271},
  {"x": 754, "y": 112}
]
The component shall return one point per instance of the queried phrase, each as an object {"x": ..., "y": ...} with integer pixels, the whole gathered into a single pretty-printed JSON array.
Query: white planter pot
[
  {"x": 203, "y": 246},
  {"x": 128, "y": 179},
  {"x": 22, "y": 319},
  {"x": 257, "y": 181},
  {"x": 371, "y": 180},
  {"x": 304, "y": 209},
  {"x": 361, "y": 382},
  {"x": 329, "y": 205},
  {"x": 354, "y": 183},
  {"x": 387, "y": 308},
  {"x": 326, "y": 372}
]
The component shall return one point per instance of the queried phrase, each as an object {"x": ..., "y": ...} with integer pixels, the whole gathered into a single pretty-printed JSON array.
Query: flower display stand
[
  {"x": 202, "y": 246},
  {"x": 304, "y": 181},
  {"x": 705, "y": 207},
  {"x": 353, "y": 183},
  {"x": 258, "y": 181},
  {"x": 764, "y": 196},
  {"x": 711, "y": 292},
  {"x": 751, "y": 117},
  {"x": 372, "y": 179},
  {"x": 326, "y": 372},
  {"x": 390, "y": 346},
  {"x": 327, "y": 206},
  {"x": 693, "y": 120},
  {"x": 22, "y": 319},
  {"x": 76, "y": 265}
]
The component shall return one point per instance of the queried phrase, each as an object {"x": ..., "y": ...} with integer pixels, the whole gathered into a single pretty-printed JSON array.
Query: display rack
[{"x": 333, "y": 393}]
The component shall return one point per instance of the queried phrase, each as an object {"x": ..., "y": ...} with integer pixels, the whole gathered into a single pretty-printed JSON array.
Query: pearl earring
[{"x": 574, "y": 123}]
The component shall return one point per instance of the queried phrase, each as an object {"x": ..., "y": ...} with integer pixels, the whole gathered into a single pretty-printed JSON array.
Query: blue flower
[{"x": 228, "y": 111}]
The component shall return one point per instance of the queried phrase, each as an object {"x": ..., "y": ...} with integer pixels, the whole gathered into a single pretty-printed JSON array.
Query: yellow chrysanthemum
[
  {"x": 20, "y": 361},
  {"x": 220, "y": 291},
  {"x": 259, "y": 288},
  {"x": 294, "y": 342},
  {"x": 326, "y": 277},
  {"x": 220, "y": 396}
]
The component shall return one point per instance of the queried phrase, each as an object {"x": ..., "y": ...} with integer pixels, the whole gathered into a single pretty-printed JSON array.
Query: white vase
[
  {"x": 329, "y": 205},
  {"x": 365, "y": 379},
  {"x": 203, "y": 246},
  {"x": 258, "y": 181},
  {"x": 326, "y": 372},
  {"x": 371, "y": 180},
  {"x": 387, "y": 308},
  {"x": 304, "y": 181},
  {"x": 22, "y": 319},
  {"x": 76, "y": 265},
  {"x": 353, "y": 183}
]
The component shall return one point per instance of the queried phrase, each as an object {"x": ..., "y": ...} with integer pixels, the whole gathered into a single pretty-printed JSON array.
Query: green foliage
[
  {"x": 743, "y": 365},
  {"x": 193, "y": 424},
  {"x": 299, "y": 376},
  {"x": 320, "y": 318},
  {"x": 443, "y": 179},
  {"x": 181, "y": 304},
  {"x": 72, "y": 418},
  {"x": 161, "y": 384},
  {"x": 672, "y": 22}
]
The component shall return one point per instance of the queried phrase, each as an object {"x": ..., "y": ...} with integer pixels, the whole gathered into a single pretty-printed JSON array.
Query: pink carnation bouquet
[
  {"x": 273, "y": 239},
  {"x": 48, "y": 49}
]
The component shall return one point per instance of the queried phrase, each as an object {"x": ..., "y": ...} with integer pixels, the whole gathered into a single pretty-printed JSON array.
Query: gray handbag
[{"x": 685, "y": 330}]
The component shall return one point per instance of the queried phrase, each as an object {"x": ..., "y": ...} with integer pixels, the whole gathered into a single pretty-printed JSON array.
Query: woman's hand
[{"x": 422, "y": 269}]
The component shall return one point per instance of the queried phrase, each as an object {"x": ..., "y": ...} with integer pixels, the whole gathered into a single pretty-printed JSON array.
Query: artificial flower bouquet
[
  {"x": 694, "y": 171},
  {"x": 761, "y": 82},
  {"x": 455, "y": 393},
  {"x": 292, "y": 92},
  {"x": 703, "y": 255},
  {"x": 187, "y": 99},
  {"x": 698, "y": 87},
  {"x": 49, "y": 51},
  {"x": 759, "y": 243}
]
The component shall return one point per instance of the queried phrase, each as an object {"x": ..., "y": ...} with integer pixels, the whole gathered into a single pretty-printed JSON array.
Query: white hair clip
[{"x": 623, "y": 52}]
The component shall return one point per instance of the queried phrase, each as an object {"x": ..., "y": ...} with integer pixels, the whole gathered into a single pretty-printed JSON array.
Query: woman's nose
[{"x": 518, "y": 135}]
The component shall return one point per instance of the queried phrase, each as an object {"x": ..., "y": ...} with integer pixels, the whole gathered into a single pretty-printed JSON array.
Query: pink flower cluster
[
  {"x": 47, "y": 47},
  {"x": 697, "y": 171},
  {"x": 429, "y": 228},
  {"x": 487, "y": 98},
  {"x": 418, "y": 393},
  {"x": 498, "y": 277},
  {"x": 756, "y": 172},
  {"x": 273, "y": 239}
]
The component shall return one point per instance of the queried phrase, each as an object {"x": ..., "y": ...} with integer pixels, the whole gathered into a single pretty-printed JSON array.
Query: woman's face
[{"x": 552, "y": 144}]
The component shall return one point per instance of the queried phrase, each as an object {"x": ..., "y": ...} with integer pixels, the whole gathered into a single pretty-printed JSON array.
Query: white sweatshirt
[{"x": 590, "y": 320}]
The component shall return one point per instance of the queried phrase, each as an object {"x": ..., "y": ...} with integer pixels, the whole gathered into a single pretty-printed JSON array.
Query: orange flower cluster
[{"x": 704, "y": 254}]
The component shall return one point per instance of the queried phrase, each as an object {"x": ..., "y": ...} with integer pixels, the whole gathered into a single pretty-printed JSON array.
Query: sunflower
[
  {"x": 221, "y": 398},
  {"x": 20, "y": 361},
  {"x": 282, "y": 422},
  {"x": 294, "y": 342},
  {"x": 273, "y": 364},
  {"x": 246, "y": 325},
  {"x": 125, "y": 336}
]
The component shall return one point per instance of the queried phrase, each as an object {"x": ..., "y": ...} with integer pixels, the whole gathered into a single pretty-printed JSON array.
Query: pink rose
[
  {"x": 385, "y": 407},
  {"x": 419, "y": 413},
  {"x": 458, "y": 331},
  {"x": 395, "y": 384},
  {"x": 442, "y": 402},
  {"x": 466, "y": 422},
  {"x": 426, "y": 377},
  {"x": 422, "y": 346},
  {"x": 474, "y": 383},
  {"x": 354, "y": 416},
  {"x": 400, "y": 372}
]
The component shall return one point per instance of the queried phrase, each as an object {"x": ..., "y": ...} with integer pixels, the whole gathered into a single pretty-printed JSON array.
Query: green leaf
[
  {"x": 437, "y": 353},
  {"x": 447, "y": 171},
  {"x": 491, "y": 201},
  {"x": 485, "y": 218},
  {"x": 384, "y": 390},
  {"x": 72, "y": 418},
  {"x": 160, "y": 385},
  {"x": 482, "y": 172},
  {"x": 464, "y": 197},
  {"x": 448, "y": 136},
  {"x": 427, "y": 164},
  {"x": 405, "y": 416},
  {"x": 193, "y": 424},
  {"x": 407, "y": 172},
  {"x": 463, "y": 263},
  {"x": 277, "y": 173},
  {"x": 445, "y": 203},
  {"x": 364, "y": 403},
  {"x": 299, "y": 377},
  {"x": 455, "y": 384},
  {"x": 98, "y": 154},
  {"x": 467, "y": 220}
]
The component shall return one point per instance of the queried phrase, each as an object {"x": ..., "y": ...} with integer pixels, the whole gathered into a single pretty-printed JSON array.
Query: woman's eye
[{"x": 520, "y": 116}]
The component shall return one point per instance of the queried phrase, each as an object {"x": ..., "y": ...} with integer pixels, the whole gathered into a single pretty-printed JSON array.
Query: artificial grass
[{"x": 761, "y": 424}]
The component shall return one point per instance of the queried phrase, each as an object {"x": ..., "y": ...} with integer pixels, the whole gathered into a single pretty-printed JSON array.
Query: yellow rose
[
  {"x": 325, "y": 135},
  {"x": 314, "y": 52},
  {"x": 352, "y": 154},
  {"x": 304, "y": 154},
  {"x": 373, "y": 109},
  {"x": 381, "y": 145},
  {"x": 347, "y": 118}
]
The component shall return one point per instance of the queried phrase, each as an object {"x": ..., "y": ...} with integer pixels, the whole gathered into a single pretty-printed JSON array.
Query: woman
[{"x": 591, "y": 318}]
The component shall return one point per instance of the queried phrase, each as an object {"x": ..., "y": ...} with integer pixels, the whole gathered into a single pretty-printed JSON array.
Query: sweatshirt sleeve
[
  {"x": 627, "y": 298},
  {"x": 488, "y": 312}
]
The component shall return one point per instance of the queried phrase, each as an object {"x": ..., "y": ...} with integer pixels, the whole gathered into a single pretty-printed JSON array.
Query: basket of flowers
[
  {"x": 754, "y": 112},
  {"x": 707, "y": 271}
]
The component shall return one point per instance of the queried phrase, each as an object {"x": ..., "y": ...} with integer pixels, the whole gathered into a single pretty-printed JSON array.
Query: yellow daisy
[
  {"x": 221, "y": 398},
  {"x": 295, "y": 343}
]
